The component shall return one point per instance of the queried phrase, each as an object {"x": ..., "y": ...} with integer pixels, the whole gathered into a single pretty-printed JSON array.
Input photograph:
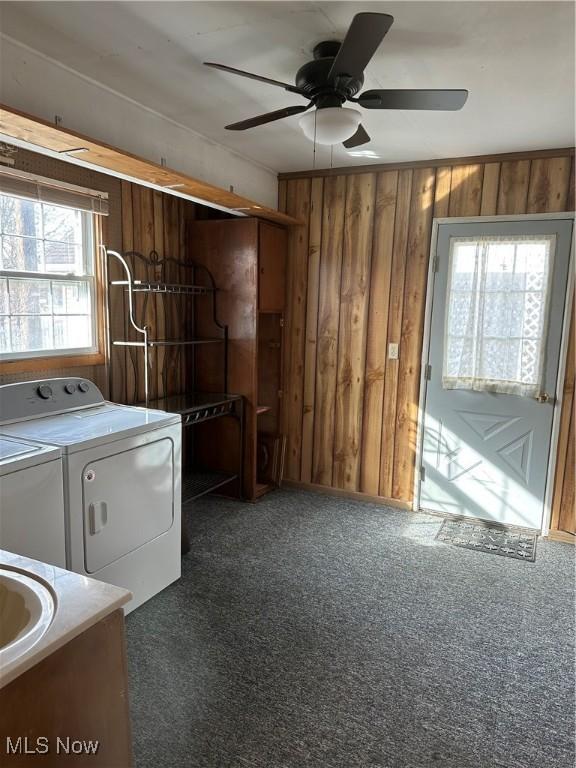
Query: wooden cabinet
[
  {"x": 271, "y": 268},
  {"x": 247, "y": 259},
  {"x": 77, "y": 695}
]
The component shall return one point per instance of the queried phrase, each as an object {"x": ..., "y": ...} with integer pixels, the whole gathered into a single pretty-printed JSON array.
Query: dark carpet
[
  {"x": 316, "y": 632},
  {"x": 492, "y": 539}
]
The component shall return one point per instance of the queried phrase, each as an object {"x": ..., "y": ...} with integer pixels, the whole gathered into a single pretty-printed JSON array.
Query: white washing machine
[
  {"x": 122, "y": 467},
  {"x": 32, "y": 500}
]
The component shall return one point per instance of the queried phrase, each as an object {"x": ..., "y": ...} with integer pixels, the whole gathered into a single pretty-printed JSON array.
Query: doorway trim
[{"x": 558, "y": 395}]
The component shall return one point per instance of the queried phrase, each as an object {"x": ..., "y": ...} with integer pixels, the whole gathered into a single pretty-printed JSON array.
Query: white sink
[{"x": 27, "y": 607}]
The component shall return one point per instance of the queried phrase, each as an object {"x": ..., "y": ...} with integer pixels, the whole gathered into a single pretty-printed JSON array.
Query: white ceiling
[{"x": 515, "y": 58}]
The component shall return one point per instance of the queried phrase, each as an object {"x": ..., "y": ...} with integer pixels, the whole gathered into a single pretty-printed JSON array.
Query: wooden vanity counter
[{"x": 66, "y": 701}]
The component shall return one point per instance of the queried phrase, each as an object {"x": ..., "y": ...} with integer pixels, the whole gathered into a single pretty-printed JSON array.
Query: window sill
[{"x": 29, "y": 364}]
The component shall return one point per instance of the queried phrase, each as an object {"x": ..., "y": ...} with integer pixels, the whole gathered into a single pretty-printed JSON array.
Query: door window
[{"x": 496, "y": 313}]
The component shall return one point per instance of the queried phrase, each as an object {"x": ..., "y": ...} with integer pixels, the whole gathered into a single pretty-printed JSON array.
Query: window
[
  {"x": 497, "y": 308},
  {"x": 47, "y": 280}
]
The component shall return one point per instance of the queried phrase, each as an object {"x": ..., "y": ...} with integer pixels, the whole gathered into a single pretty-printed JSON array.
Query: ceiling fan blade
[
  {"x": 242, "y": 73},
  {"x": 364, "y": 35},
  {"x": 269, "y": 117},
  {"x": 360, "y": 137},
  {"x": 423, "y": 99}
]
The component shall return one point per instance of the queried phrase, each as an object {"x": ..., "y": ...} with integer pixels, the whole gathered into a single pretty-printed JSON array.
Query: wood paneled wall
[
  {"x": 153, "y": 221},
  {"x": 356, "y": 282}
]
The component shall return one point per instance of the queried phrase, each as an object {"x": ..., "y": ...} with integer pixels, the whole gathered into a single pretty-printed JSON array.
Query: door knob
[{"x": 543, "y": 397}]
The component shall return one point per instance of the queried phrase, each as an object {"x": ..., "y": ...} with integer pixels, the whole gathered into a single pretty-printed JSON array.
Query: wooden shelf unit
[{"x": 248, "y": 260}]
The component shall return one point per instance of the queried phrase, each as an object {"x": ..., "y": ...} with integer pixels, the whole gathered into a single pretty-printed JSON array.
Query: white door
[{"x": 498, "y": 306}]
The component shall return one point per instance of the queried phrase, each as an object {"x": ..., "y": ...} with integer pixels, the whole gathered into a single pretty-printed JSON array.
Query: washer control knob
[
  {"x": 83, "y": 386},
  {"x": 70, "y": 388},
  {"x": 44, "y": 391}
]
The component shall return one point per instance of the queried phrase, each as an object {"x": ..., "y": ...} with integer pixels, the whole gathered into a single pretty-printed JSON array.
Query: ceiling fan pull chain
[{"x": 314, "y": 151}]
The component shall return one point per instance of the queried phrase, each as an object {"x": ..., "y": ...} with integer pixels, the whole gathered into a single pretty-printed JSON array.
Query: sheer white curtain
[{"x": 496, "y": 313}]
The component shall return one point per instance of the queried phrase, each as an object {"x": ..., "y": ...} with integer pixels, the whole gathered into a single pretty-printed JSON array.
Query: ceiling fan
[{"x": 336, "y": 75}]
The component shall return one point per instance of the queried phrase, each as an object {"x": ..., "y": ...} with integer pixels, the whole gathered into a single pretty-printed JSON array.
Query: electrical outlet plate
[{"x": 393, "y": 351}]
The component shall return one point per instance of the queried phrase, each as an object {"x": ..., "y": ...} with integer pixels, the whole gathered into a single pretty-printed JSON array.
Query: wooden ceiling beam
[{"x": 42, "y": 134}]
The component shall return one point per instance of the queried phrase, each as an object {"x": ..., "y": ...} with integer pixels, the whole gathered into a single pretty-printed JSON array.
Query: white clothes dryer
[{"x": 122, "y": 480}]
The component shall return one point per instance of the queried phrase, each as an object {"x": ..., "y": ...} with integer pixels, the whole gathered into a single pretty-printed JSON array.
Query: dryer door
[{"x": 128, "y": 500}]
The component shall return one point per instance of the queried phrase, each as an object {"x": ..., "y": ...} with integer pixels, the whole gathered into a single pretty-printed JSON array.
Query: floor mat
[{"x": 493, "y": 539}]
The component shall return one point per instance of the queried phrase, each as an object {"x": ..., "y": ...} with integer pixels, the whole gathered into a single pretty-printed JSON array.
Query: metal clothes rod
[{"x": 143, "y": 331}]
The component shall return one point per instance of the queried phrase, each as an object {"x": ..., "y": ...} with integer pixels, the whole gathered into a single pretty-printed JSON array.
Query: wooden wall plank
[
  {"x": 401, "y": 224},
  {"x": 567, "y": 520},
  {"x": 117, "y": 305},
  {"x": 357, "y": 253},
  {"x": 144, "y": 302},
  {"x": 314, "y": 245},
  {"x": 328, "y": 324},
  {"x": 127, "y": 218},
  {"x": 420, "y": 226},
  {"x": 567, "y": 418},
  {"x": 159, "y": 300},
  {"x": 282, "y": 189},
  {"x": 466, "y": 190},
  {"x": 298, "y": 203},
  {"x": 186, "y": 319},
  {"x": 171, "y": 383},
  {"x": 513, "y": 188},
  {"x": 377, "y": 330},
  {"x": 570, "y": 204},
  {"x": 490, "y": 184},
  {"x": 548, "y": 188},
  {"x": 128, "y": 244},
  {"x": 442, "y": 192},
  {"x": 133, "y": 357}
]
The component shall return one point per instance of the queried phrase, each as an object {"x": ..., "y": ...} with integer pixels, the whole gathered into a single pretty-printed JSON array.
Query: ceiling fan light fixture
[{"x": 330, "y": 125}]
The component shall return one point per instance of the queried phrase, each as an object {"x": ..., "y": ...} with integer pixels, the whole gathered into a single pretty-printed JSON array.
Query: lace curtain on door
[{"x": 496, "y": 313}]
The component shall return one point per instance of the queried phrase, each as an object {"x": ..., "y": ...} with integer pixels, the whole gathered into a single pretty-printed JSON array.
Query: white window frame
[{"x": 89, "y": 258}]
